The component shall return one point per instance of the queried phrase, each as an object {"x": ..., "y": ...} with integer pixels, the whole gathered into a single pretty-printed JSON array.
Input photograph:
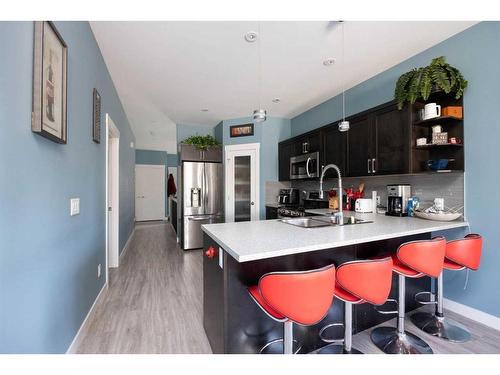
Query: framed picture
[
  {"x": 49, "y": 117},
  {"x": 245, "y": 130},
  {"x": 96, "y": 117}
]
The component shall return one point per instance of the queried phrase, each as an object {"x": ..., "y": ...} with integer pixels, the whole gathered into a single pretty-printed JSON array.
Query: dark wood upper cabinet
[
  {"x": 392, "y": 128},
  {"x": 360, "y": 149},
  {"x": 334, "y": 149},
  {"x": 285, "y": 151},
  {"x": 381, "y": 141}
]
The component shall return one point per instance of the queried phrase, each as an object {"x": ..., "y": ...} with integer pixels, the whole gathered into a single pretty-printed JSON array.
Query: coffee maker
[
  {"x": 397, "y": 199},
  {"x": 288, "y": 197}
]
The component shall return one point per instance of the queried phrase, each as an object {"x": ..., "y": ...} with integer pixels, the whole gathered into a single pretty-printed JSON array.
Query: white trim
[
  {"x": 479, "y": 316},
  {"x": 127, "y": 244},
  {"x": 113, "y": 141},
  {"x": 242, "y": 146},
  {"x": 76, "y": 339}
]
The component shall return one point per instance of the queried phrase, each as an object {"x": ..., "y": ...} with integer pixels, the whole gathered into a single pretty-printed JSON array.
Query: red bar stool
[
  {"x": 460, "y": 254},
  {"x": 295, "y": 297},
  {"x": 413, "y": 259},
  {"x": 360, "y": 281}
]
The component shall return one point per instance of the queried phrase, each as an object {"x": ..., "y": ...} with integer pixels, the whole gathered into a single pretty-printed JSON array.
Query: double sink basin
[{"x": 322, "y": 221}]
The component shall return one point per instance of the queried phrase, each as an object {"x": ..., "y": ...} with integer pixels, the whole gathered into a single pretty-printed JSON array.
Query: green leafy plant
[
  {"x": 201, "y": 142},
  {"x": 418, "y": 83}
]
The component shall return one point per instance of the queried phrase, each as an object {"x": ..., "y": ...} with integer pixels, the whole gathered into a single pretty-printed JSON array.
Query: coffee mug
[{"x": 432, "y": 110}]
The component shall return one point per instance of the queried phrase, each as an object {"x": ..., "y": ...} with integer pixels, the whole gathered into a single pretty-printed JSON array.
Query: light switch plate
[{"x": 74, "y": 206}]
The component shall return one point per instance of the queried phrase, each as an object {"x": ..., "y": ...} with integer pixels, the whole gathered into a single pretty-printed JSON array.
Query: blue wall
[
  {"x": 476, "y": 53},
  {"x": 158, "y": 158},
  {"x": 48, "y": 260},
  {"x": 268, "y": 134},
  {"x": 187, "y": 130}
]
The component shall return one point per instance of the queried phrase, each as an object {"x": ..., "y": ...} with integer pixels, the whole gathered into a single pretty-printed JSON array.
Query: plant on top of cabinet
[
  {"x": 418, "y": 83},
  {"x": 201, "y": 142}
]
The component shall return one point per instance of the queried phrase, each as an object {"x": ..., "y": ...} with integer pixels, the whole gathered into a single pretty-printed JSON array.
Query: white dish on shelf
[{"x": 449, "y": 216}]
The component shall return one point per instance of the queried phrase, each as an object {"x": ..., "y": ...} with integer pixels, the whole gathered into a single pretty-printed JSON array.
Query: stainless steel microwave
[{"x": 304, "y": 166}]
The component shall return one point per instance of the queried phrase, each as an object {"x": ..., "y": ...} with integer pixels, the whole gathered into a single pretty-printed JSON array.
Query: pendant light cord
[
  {"x": 260, "y": 66},
  {"x": 343, "y": 72}
]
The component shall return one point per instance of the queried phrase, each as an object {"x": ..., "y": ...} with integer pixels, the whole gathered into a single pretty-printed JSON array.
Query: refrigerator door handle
[{"x": 198, "y": 218}]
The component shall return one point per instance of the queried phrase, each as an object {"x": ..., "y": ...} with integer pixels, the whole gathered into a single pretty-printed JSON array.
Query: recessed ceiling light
[
  {"x": 251, "y": 36},
  {"x": 329, "y": 61},
  {"x": 276, "y": 100},
  {"x": 204, "y": 109}
]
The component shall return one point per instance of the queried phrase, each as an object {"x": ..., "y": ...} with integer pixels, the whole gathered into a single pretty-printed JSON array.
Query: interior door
[
  {"x": 242, "y": 185},
  {"x": 149, "y": 192}
]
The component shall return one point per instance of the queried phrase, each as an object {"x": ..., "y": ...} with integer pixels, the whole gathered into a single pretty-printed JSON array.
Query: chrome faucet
[{"x": 339, "y": 215}]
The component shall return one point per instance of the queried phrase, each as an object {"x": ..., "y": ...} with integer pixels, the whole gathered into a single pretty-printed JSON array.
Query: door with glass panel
[{"x": 242, "y": 182}]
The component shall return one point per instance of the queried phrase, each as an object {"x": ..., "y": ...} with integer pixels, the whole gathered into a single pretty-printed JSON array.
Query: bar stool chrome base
[
  {"x": 441, "y": 327},
  {"x": 336, "y": 349},
  {"x": 272, "y": 347},
  {"x": 390, "y": 341}
]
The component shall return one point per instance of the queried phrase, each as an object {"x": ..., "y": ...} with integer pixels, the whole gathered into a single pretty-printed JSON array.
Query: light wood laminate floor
[{"x": 154, "y": 305}]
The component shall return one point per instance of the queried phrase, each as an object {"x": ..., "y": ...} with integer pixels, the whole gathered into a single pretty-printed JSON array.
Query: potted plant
[
  {"x": 418, "y": 83},
  {"x": 201, "y": 142}
]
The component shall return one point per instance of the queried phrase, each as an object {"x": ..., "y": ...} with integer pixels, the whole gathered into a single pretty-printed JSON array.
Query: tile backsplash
[
  {"x": 449, "y": 186},
  {"x": 273, "y": 188}
]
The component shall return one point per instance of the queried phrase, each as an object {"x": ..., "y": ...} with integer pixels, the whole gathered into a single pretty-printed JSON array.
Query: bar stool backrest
[
  {"x": 426, "y": 256},
  {"x": 303, "y": 297},
  {"x": 466, "y": 251},
  {"x": 369, "y": 279}
]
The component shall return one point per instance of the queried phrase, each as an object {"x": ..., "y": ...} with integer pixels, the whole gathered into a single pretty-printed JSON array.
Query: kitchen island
[{"x": 242, "y": 252}]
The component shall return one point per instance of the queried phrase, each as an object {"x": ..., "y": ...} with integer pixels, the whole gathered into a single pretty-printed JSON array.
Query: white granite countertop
[{"x": 253, "y": 240}]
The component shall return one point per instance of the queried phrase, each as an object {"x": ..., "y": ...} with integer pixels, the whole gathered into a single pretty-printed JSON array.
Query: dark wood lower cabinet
[{"x": 235, "y": 324}]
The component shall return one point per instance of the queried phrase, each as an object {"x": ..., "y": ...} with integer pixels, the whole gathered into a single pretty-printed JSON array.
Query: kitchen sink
[
  {"x": 321, "y": 221},
  {"x": 306, "y": 222}
]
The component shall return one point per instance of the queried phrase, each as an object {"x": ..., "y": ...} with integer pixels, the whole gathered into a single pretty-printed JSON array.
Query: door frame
[
  {"x": 113, "y": 228},
  {"x": 235, "y": 148},
  {"x": 159, "y": 167}
]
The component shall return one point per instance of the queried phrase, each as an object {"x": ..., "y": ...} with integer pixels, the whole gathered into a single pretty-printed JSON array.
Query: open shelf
[
  {"x": 435, "y": 120},
  {"x": 422, "y": 129},
  {"x": 431, "y": 145}
]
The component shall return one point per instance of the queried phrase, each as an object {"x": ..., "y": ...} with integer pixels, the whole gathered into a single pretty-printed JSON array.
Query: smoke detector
[
  {"x": 329, "y": 61},
  {"x": 251, "y": 36},
  {"x": 276, "y": 100}
]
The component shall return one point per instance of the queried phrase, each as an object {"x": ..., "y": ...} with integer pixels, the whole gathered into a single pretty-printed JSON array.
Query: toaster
[{"x": 363, "y": 205}]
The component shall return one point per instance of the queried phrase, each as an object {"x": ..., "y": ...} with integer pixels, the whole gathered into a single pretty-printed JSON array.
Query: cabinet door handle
[
  {"x": 369, "y": 167},
  {"x": 373, "y": 165}
]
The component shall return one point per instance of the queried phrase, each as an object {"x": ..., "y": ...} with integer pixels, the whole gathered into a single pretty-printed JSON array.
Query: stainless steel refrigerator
[{"x": 202, "y": 200}]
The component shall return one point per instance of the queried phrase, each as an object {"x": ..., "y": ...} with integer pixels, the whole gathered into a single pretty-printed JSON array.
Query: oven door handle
[{"x": 307, "y": 167}]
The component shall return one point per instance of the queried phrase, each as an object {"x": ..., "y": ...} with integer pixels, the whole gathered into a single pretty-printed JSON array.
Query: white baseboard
[
  {"x": 471, "y": 313},
  {"x": 127, "y": 244},
  {"x": 77, "y": 338}
]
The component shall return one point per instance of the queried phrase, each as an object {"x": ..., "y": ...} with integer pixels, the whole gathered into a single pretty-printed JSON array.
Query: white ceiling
[{"x": 166, "y": 72}]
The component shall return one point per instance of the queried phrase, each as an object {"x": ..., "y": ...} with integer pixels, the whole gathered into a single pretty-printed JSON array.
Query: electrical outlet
[
  {"x": 99, "y": 270},
  {"x": 74, "y": 207}
]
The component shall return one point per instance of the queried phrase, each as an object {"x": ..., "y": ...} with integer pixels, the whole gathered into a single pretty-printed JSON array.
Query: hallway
[{"x": 154, "y": 300}]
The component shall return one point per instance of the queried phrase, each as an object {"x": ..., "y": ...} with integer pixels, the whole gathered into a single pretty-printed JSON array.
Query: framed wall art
[
  {"x": 49, "y": 117},
  {"x": 96, "y": 117},
  {"x": 245, "y": 130}
]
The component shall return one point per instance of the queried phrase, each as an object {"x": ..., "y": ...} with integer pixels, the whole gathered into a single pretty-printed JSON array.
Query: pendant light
[
  {"x": 343, "y": 125},
  {"x": 259, "y": 115}
]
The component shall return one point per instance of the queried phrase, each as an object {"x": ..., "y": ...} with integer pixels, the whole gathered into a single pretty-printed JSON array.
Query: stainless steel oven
[{"x": 304, "y": 166}]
